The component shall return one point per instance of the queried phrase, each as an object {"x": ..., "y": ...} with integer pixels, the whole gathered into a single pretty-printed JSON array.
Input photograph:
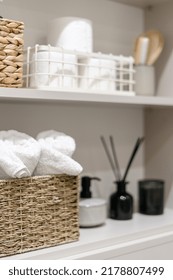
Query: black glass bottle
[{"x": 121, "y": 203}]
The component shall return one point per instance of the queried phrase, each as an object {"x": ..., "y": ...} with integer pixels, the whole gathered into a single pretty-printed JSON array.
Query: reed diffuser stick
[
  {"x": 109, "y": 156},
  {"x": 115, "y": 158},
  {"x": 136, "y": 147}
]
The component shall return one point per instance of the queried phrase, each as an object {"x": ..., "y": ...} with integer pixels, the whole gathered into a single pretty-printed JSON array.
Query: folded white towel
[
  {"x": 19, "y": 154},
  {"x": 58, "y": 141},
  {"x": 56, "y": 151}
]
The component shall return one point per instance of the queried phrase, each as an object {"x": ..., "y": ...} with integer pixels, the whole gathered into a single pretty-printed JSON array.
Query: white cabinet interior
[
  {"x": 158, "y": 123},
  {"x": 115, "y": 28},
  {"x": 114, "y": 33}
]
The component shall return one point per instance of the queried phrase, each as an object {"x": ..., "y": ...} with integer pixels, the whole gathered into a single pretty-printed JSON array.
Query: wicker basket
[
  {"x": 11, "y": 53},
  {"x": 38, "y": 212}
]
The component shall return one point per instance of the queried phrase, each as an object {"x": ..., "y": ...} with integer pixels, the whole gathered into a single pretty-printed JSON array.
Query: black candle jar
[{"x": 151, "y": 196}]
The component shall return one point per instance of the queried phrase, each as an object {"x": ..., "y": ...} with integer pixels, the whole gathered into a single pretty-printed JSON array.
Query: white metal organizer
[{"x": 48, "y": 67}]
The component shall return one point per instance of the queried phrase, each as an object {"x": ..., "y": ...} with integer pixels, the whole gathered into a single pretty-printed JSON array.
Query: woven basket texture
[
  {"x": 11, "y": 53},
  {"x": 38, "y": 212}
]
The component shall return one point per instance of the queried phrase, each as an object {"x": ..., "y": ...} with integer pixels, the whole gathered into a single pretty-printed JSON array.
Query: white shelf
[
  {"x": 43, "y": 95},
  {"x": 116, "y": 235}
]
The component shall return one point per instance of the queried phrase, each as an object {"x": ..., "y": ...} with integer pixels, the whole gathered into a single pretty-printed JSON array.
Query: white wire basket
[{"x": 47, "y": 67}]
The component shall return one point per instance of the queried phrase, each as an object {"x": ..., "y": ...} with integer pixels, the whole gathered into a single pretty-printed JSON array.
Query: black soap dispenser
[
  {"x": 92, "y": 211},
  {"x": 121, "y": 203},
  {"x": 86, "y": 184}
]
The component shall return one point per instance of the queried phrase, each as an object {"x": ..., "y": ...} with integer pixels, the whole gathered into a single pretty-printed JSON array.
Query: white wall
[
  {"x": 160, "y": 17},
  {"x": 159, "y": 149},
  {"x": 115, "y": 29},
  {"x": 115, "y": 26},
  {"x": 85, "y": 123},
  {"x": 159, "y": 123}
]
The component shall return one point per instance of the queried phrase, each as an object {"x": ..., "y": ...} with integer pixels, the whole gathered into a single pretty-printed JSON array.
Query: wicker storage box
[
  {"x": 38, "y": 212},
  {"x": 11, "y": 53}
]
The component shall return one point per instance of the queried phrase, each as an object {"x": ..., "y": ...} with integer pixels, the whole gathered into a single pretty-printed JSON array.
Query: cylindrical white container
[
  {"x": 71, "y": 33},
  {"x": 97, "y": 74},
  {"x": 145, "y": 80},
  {"x": 92, "y": 212},
  {"x": 53, "y": 69}
]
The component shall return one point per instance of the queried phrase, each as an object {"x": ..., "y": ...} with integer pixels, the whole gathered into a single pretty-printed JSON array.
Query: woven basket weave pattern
[
  {"x": 11, "y": 53},
  {"x": 38, "y": 212}
]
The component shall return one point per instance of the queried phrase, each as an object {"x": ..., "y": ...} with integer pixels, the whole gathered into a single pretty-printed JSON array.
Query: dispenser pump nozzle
[{"x": 86, "y": 183}]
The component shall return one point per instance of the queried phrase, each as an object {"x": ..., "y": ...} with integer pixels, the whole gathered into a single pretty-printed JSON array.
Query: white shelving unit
[
  {"x": 72, "y": 96},
  {"x": 86, "y": 115}
]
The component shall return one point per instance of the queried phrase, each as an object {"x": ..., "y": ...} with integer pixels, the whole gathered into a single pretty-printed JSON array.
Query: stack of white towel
[{"x": 50, "y": 153}]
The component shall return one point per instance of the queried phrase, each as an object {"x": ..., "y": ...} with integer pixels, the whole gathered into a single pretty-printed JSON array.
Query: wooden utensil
[
  {"x": 141, "y": 50},
  {"x": 156, "y": 44}
]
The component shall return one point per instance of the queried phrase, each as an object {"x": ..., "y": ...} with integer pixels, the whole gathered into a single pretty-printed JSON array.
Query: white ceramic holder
[
  {"x": 92, "y": 212},
  {"x": 145, "y": 80}
]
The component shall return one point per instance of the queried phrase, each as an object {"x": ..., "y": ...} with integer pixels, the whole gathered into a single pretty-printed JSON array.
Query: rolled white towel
[
  {"x": 56, "y": 151},
  {"x": 19, "y": 154},
  {"x": 58, "y": 141},
  {"x": 10, "y": 165},
  {"x": 55, "y": 162}
]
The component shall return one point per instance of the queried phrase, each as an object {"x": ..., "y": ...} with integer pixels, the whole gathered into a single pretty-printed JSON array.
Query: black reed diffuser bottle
[{"x": 121, "y": 203}]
